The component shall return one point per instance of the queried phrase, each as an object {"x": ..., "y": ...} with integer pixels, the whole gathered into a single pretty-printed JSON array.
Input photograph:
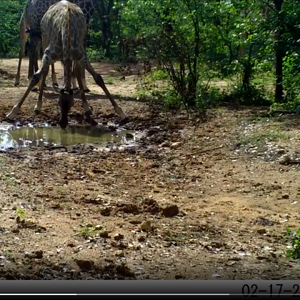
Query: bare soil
[{"x": 199, "y": 197}]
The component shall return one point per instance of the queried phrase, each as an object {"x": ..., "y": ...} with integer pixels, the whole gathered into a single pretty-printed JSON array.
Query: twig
[
  {"x": 204, "y": 151},
  {"x": 201, "y": 152}
]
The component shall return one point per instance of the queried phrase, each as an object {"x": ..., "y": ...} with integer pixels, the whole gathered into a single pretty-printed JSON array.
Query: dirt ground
[{"x": 197, "y": 198}]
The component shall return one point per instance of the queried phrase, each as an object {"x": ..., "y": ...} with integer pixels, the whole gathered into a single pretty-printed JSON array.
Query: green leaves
[
  {"x": 9, "y": 27},
  {"x": 294, "y": 238}
]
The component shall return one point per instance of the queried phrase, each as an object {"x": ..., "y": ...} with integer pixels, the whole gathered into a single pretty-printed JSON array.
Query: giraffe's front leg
[
  {"x": 39, "y": 103},
  {"x": 15, "y": 110},
  {"x": 34, "y": 81}
]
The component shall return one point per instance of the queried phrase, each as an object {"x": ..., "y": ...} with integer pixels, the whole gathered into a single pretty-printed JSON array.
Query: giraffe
[
  {"x": 64, "y": 29},
  {"x": 30, "y": 25}
]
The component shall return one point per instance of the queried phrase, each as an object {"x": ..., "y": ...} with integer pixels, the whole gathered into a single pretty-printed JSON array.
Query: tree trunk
[
  {"x": 280, "y": 54},
  {"x": 104, "y": 9}
]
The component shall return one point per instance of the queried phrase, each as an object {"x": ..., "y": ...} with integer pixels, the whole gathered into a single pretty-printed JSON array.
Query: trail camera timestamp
[{"x": 254, "y": 290}]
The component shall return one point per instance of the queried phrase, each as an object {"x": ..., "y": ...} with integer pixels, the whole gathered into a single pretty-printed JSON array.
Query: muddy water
[{"x": 41, "y": 136}]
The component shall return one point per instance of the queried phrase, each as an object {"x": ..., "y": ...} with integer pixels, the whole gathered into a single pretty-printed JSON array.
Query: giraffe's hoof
[
  {"x": 87, "y": 90},
  {"x": 124, "y": 121},
  {"x": 88, "y": 113},
  {"x": 35, "y": 89},
  {"x": 36, "y": 112},
  {"x": 76, "y": 91},
  {"x": 16, "y": 84}
]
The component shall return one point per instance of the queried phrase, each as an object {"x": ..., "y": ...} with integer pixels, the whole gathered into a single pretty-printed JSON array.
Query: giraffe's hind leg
[
  {"x": 23, "y": 37},
  {"x": 99, "y": 80},
  {"x": 87, "y": 111},
  {"x": 53, "y": 75},
  {"x": 83, "y": 80},
  {"x": 86, "y": 89}
]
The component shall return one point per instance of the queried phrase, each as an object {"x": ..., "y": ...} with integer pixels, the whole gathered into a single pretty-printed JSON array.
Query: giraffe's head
[{"x": 65, "y": 102}]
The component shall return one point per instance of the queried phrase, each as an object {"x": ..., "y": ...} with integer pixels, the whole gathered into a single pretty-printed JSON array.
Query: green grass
[
  {"x": 110, "y": 80},
  {"x": 88, "y": 231},
  {"x": 10, "y": 180},
  {"x": 260, "y": 138},
  {"x": 21, "y": 213}
]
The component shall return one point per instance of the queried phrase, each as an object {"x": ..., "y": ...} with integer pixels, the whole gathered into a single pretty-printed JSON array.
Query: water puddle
[{"x": 43, "y": 136}]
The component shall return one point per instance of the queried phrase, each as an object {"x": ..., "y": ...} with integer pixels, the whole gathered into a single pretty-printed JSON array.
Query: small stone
[
  {"x": 129, "y": 136},
  {"x": 118, "y": 237},
  {"x": 175, "y": 145},
  {"x": 85, "y": 265},
  {"x": 142, "y": 239},
  {"x": 36, "y": 254},
  {"x": 120, "y": 253},
  {"x": 165, "y": 144},
  {"x": 104, "y": 234},
  {"x": 170, "y": 211},
  {"x": 146, "y": 226},
  {"x": 230, "y": 263},
  {"x": 135, "y": 222},
  {"x": 285, "y": 159},
  {"x": 71, "y": 244},
  {"x": 285, "y": 196},
  {"x": 262, "y": 231},
  {"x": 217, "y": 244}
]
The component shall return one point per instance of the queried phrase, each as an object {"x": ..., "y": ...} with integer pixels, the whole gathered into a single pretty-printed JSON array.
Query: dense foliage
[{"x": 252, "y": 44}]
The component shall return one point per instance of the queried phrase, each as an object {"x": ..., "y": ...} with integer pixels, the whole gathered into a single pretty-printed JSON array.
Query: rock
[
  {"x": 128, "y": 208},
  {"x": 118, "y": 237},
  {"x": 125, "y": 271},
  {"x": 120, "y": 253},
  {"x": 105, "y": 212},
  {"x": 104, "y": 234},
  {"x": 281, "y": 151},
  {"x": 37, "y": 254},
  {"x": 146, "y": 226},
  {"x": 165, "y": 144},
  {"x": 175, "y": 145},
  {"x": 285, "y": 196},
  {"x": 217, "y": 244},
  {"x": 179, "y": 276},
  {"x": 129, "y": 136},
  {"x": 135, "y": 222},
  {"x": 151, "y": 206},
  {"x": 142, "y": 239},
  {"x": 170, "y": 211},
  {"x": 85, "y": 265},
  {"x": 71, "y": 244},
  {"x": 230, "y": 263},
  {"x": 262, "y": 231},
  {"x": 285, "y": 159}
]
